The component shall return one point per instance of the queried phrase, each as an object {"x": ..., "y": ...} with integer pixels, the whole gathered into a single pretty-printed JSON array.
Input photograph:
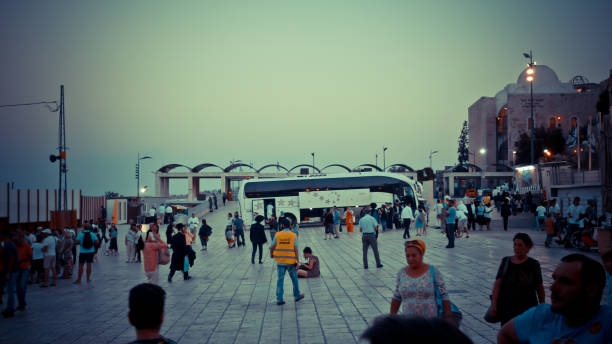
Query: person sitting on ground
[
  {"x": 147, "y": 313},
  {"x": 575, "y": 314},
  {"x": 391, "y": 329},
  {"x": 311, "y": 269}
]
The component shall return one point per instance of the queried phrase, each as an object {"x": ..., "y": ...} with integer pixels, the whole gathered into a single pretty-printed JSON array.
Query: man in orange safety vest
[{"x": 284, "y": 250}]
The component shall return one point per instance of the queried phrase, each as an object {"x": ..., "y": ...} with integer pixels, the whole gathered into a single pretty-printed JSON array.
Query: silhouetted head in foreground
[{"x": 390, "y": 329}]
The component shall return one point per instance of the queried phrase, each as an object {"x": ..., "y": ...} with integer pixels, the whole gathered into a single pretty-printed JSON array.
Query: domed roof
[
  {"x": 545, "y": 81},
  {"x": 543, "y": 75}
]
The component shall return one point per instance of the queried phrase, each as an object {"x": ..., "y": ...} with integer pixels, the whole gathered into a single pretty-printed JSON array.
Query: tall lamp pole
[
  {"x": 431, "y": 153},
  {"x": 313, "y": 165},
  {"x": 530, "y": 78},
  {"x": 138, "y": 175},
  {"x": 385, "y": 158}
]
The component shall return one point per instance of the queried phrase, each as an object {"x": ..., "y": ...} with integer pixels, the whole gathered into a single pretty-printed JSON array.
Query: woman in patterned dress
[{"x": 415, "y": 287}]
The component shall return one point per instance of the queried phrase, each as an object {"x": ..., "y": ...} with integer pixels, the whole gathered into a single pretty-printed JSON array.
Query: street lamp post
[
  {"x": 385, "y": 158},
  {"x": 313, "y": 165},
  {"x": 138, "y": 174},
  {"x": 482, "y": 151},
  {"x": 530, "y": 78},
  {"x": 431, "y": 153}
]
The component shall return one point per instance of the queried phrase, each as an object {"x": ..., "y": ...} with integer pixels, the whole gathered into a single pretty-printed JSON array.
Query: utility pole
[
  {"x": 313, "y": 162},
  {"x": 62, "y": 153},
  {"x": 61, "y": 144}
]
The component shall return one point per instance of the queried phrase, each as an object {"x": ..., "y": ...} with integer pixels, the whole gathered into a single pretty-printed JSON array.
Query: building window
[
  {"x": 552, "y": 123},
  {"x": 574, "y": 122}
]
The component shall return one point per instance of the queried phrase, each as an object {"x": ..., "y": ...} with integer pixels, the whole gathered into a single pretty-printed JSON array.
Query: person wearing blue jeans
[
  {"x": 540, "y": 216},
  {"x": 284, "y": 250},
  {"x": 280, "y": 290},
  {"x": 11, "y": 270},
  {"x": 450, "y": 214}
]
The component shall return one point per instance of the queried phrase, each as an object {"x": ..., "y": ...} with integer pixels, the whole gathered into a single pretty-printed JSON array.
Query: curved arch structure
[
  {"x": 200, "y": 167},
  {"x": 337, "y": 165},
  {"x": 401, "y": 165},
  {"x": 272, "y": 165},
  {"x": 304, "y": 165},
  {"x": 233, "y": 166},
  {"x": 369, "y": 165},
  {"x": 169, "y": 167}
]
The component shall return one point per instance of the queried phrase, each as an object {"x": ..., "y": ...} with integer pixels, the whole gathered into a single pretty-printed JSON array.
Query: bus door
[
  {"x": 269, "y": 207},
  {"x": 258, "y": 207}
]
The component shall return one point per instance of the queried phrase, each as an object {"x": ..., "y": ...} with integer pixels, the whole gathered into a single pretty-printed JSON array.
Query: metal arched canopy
[
  {"x": 233, "y": 166},
  {"x": 337, "y": 165},
  {"x": 272, "y": 165},
  {"x": 200, "y": 167},
  {"x": 304, "y": 165},
  {"x": 369, "y": 165},
  {"x": 169, "y": 167},
  {"x": 401, "y": 165}
]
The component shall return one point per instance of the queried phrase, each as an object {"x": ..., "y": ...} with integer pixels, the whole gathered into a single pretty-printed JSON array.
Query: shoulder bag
[
  {"x": 457, "y": 316},
  {"x": 488, "y": 317}
]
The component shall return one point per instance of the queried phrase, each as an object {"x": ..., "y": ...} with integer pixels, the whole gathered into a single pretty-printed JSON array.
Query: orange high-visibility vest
[{"x": 284, "y": 252}]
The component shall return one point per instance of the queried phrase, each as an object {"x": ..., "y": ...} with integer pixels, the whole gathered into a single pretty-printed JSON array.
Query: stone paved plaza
[{"x": 228, "y": 300}]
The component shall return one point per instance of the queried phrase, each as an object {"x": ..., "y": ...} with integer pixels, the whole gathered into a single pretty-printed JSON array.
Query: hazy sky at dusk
[{"x": 266, "y": 81}]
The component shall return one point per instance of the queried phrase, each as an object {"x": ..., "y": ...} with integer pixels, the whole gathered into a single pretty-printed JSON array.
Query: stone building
[{"x": 496, "y": 123}]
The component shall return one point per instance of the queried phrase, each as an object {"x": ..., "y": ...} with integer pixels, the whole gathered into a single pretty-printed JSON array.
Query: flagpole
[
  {"x": 578, "y": 142},
  {"x": 590, "y": 139}
]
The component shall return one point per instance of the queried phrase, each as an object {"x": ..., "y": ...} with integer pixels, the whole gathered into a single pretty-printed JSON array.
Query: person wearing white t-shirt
[
  {"x": 574, "y": 216},
  {"x": 407, "y": 217},
  {"x": 193, "y": 223},
  {"x": 161, "y": 212},
  {"x": 540, "y": 216},
  {"x": 37, "y": 260},
  {"x": 48, "y": 248},
  {"x": 152, "y": 213},
  {"x": 462, "y": 219},
  {"x": 169, "y": 218}
]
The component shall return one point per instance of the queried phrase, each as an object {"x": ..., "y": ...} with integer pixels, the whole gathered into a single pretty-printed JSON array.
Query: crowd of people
[{"x": 420, "y": 295}]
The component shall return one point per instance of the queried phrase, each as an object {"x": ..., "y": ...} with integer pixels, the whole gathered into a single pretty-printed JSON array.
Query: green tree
[
  {"x": 464, "y": 143},
  {"x": 551, "y": 139}
]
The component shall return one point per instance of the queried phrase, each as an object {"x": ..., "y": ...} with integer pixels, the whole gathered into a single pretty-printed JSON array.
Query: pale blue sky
[{"x": 266, "y": 81}]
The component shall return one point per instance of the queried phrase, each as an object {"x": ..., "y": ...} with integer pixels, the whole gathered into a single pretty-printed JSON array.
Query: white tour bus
[{"x": 307, "y": 197}]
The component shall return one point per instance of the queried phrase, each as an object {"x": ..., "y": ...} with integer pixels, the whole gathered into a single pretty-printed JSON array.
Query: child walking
[{"x": 229, "y": 232}]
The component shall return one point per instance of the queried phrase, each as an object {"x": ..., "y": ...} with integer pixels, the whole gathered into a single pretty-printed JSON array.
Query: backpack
[
  {"x": 87, "y": 241},
  {"x": 163, "y": 256},
  {"x": 422, "y": 216},
  {"x": 140, "y": 243}
]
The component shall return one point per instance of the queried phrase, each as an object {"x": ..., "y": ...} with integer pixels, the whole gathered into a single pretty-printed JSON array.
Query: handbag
[
  {"x": 488, "y": 317},
  {"x": 457, "y": 316},
  {"x": 163, "y": 257}
]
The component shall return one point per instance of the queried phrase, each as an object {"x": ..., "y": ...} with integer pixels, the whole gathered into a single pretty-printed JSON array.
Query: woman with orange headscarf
[
  {"x": 415, "y": 286},
  {"x": 348, "y": 218}
]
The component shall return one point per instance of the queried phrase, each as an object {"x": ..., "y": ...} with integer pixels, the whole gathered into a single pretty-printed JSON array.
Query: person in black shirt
[
  {"x": 257, "y": 237},
  {"x": 506, "y": 211},
  {"x": 169, "y": 233},
  {"x": 518, "y": 284}
]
